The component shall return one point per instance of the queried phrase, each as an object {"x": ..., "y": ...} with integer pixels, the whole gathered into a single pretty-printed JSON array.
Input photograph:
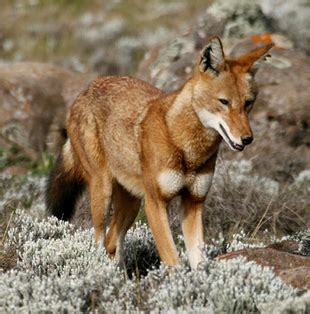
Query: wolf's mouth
[{"x": 231, "y": 143}]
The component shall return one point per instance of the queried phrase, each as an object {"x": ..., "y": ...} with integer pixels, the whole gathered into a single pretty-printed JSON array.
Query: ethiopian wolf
[{"x": 128, "y": 140}]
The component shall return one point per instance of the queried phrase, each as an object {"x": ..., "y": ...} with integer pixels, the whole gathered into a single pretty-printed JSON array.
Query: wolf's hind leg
[
  {"x": 100, "y": 188},
  {"x": 126, "y": 208}
]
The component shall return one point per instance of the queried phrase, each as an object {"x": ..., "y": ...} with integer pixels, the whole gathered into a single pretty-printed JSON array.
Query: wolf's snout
[{"x": 246, "y": 139}]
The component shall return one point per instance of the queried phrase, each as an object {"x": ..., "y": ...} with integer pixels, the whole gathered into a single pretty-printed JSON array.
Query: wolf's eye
[
  {"x": 224, "y": 101},
  {"x": 249, "y": 103}
]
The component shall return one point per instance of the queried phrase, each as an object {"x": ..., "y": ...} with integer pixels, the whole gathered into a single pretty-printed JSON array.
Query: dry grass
[
  {"x": 231, "y": 208},
  {"x": 8, "y": 258}
]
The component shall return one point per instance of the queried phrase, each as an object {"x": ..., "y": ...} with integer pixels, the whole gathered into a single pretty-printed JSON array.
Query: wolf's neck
[{"x": 187, "y": 132}]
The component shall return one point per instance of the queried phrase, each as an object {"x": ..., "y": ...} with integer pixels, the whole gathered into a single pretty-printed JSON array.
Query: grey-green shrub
[{"x": 61, "y": 270}]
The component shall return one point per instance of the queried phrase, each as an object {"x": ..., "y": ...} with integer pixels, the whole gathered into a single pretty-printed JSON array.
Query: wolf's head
[{"x": 224, "y": 92}]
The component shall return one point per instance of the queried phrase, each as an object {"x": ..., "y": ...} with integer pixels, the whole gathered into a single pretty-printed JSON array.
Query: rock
[
  {"x": 292, "y": 268},
  {"x": 281, "y": 116},
  {"x": 168, "y": 65},
  {"x": 241, "y": 17},
  {"x": 288, "y": 246},
  {"x": 298, "y": 277},
  {"x": 283, "y": 84},
  {"x": 34, "y": 99},
  {"x": 13, "y": 170},
  {"x": 290, "y": 17}
]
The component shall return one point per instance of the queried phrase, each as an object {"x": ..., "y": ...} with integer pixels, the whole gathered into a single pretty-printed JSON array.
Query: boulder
[
  {"x": 169, "y": 64},
  {"x": 292, "y": 268},
  {"x": 34, "y": 98},
  {"x": 290, "y": 17},
  {"x": 284, "y": 83},
  {"x": 298, "y": 277}
]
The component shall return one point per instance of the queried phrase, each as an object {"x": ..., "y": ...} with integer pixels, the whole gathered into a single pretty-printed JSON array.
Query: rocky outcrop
[
  {"x": 292, "y": 268},
  {"x": 34, "y": 98},
  {"x": 168, "y": 65},
  {"x": 290, "y": 17}
]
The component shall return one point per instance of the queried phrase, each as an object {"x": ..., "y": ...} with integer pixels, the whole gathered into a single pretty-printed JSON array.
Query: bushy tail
[{"x": 64, "y": 187}]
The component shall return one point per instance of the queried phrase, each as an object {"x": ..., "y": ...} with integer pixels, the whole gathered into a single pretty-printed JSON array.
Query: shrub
[{"x": 60, "y": 269}]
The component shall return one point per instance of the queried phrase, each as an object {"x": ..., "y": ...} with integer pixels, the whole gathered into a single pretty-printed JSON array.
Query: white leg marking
[
  {"x": 195, "y": 255},
  {"x": 171, "y": 181},
  {"x": 100, "y": 242},
  {"x": 193, "y": 238}
]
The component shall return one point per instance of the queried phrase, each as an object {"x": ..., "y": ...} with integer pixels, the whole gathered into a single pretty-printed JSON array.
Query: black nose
[{"x": 246, "y": 140}]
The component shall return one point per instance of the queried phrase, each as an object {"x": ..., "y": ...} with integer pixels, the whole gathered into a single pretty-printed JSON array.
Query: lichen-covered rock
[
  {"x": 242, "y": 17},
  {"x": 168, "y": 65},
  {"x": 283, "y": 83},
  {"x": 290, "y": 17},
  {"x": 292, "y": 268},
  {"x": 304, "y": 247},
  {"x": 34, "y": 99}
]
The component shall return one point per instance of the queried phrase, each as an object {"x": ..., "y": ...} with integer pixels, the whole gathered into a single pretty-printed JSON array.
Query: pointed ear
[
  {"x": 212, "y": 56},
  {"x": 252, "y": 60}
]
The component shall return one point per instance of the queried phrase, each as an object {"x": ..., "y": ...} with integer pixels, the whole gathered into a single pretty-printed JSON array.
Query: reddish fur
[{"x": 124, "y": 133}]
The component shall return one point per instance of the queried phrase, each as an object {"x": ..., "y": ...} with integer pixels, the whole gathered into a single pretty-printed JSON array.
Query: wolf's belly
[{"x": 123, "y": 158}]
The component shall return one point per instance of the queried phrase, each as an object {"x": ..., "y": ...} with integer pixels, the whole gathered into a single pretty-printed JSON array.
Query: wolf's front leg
[
  {"x": 191, "y": 214},
  {"x": 156, "y": 212},
  {"x": 126, "y": 208},
  {"x": 192, "y": 227}
]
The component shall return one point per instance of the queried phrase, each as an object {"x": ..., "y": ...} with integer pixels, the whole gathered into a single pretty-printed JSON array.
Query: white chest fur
[
  {"x": 172, "y": 181},
  {"x": 199, "y": 184}
]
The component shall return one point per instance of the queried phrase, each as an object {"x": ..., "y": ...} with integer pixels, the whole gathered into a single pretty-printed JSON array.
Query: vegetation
[
  {"x": 59, "y": 268},
  {"x": 49, "y": 265}
]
